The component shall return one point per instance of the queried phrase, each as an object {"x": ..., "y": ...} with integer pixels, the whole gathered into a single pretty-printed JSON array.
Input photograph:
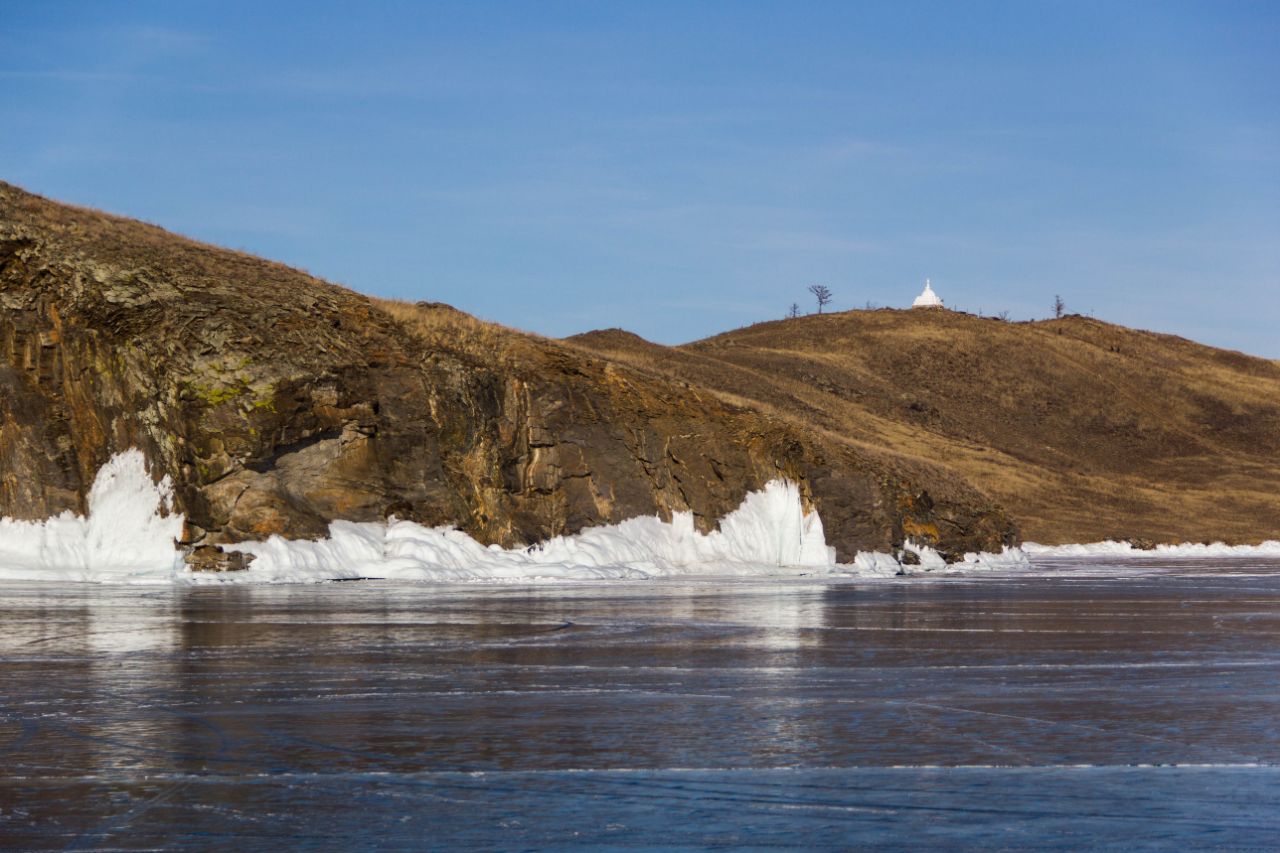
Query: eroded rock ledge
[{"x": 278, "y": 402}]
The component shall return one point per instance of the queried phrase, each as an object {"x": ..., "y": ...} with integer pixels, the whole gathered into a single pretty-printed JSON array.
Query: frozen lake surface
[{"x": 1134, "y": 705}]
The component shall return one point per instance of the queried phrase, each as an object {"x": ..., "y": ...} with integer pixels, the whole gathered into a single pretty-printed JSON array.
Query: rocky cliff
[{"x": 278, "y": 402}]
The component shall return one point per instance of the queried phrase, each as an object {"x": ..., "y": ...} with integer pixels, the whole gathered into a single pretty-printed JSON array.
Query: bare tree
[
  {"x": 794, "y": 311},
  {"x": 1003, "y": 315},
  {"x": 1059, "y": 307},
  {"x": 822, "y": 293}
]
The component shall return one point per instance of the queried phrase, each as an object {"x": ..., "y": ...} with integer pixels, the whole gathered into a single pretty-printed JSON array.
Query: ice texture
[
  {"x": 1111, "y": 548},
  {"x": 769, "y": 533},
  {"x": 128, "y": 535},
  {"x": 1085, "y": 708}
]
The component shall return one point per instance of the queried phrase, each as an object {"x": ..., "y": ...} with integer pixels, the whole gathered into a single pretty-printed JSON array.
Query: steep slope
[
  {"x": 1081, "y": 429},
  {"x": 278, "y": 402}
]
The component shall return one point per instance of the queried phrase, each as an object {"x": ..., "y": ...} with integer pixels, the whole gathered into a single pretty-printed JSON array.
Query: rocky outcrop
[{"x": 278, "y": 402}]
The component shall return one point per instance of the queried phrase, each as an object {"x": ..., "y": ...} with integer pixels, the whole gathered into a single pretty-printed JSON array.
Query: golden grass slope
[{"x": 1082, "y": 430}]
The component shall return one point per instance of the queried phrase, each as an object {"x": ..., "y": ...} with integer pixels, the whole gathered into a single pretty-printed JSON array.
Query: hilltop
[
  {"x": 277, "y": 402},
  {"x": 1082, "y": 430}
]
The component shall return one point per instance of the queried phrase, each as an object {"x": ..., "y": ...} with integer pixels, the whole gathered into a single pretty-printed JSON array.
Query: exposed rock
[
  {"x": 211, "y": 558},
  {"x": 278, "y": 403}
]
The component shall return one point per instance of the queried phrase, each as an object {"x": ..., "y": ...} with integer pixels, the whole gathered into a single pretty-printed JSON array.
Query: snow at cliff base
[
  {"x": 129, "y": 533},
  {"x": 129, "y": 536},
  {"x": 1125, "y": 550},
  {"x": 769, "y": 533}
]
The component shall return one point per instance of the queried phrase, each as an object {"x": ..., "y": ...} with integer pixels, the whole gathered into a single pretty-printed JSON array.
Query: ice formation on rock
[
  {"x": 129, "y": 534},
  {"x": 769, "y": 534},
  {"x": 1110, "y": 548}
]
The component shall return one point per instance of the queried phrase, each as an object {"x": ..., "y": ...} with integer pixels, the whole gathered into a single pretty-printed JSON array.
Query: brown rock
[
  {"x": 211, "y": 558},
  {"x": 278, "y": 403}
]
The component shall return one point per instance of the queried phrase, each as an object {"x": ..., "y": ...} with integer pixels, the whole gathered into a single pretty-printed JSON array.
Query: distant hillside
[
  {"x": 278, "y": 402},
  {"x": 1082, "y": 430}
]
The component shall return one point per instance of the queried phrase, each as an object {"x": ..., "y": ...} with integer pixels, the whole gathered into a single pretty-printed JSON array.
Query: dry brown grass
[
  {"x": 443, "y": 327},
  {"x": 117, "y": 243},
  {"x": 1082, "y": 430}
]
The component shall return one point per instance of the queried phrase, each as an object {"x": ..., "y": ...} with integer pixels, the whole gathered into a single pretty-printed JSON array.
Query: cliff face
[{"x": 278, "y": 402}]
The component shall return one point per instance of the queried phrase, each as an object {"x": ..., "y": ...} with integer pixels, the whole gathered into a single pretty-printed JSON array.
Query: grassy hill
[{"x": 1081, "y": 429}]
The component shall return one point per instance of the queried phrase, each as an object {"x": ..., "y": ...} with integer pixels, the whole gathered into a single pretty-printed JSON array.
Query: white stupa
[{"x": 928, "y": 299}]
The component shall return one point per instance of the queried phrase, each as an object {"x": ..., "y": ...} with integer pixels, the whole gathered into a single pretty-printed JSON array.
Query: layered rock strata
[{"x": 278, "y": 402}]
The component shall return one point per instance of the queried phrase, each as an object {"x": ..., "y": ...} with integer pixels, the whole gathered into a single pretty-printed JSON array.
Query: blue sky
[{"x": 682, "y": 168}]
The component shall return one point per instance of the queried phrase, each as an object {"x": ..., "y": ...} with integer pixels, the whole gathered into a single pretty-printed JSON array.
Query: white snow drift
[
  {"x": 1124, "y": 550},
  {"x": 130, "y": 533},
  {"x": 769, "y": 533}
]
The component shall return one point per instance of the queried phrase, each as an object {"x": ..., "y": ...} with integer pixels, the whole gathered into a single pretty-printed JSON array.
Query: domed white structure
[{"x": 928, "y": 299}]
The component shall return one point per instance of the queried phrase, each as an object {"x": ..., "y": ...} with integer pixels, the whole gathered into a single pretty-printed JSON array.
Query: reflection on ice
[
  {"x": 90, "y": 621},
  {"x": 1060, "y": 700}
]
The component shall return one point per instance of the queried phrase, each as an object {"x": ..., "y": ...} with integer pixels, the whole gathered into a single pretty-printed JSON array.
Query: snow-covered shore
[
  {"x": 129, "y": 533},
  {"x": 1125, "y": 550},
  {"x": 129, "y": 536}
]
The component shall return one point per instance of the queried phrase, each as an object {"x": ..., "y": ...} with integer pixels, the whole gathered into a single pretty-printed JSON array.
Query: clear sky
[{"x": 682, "y": 168}]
